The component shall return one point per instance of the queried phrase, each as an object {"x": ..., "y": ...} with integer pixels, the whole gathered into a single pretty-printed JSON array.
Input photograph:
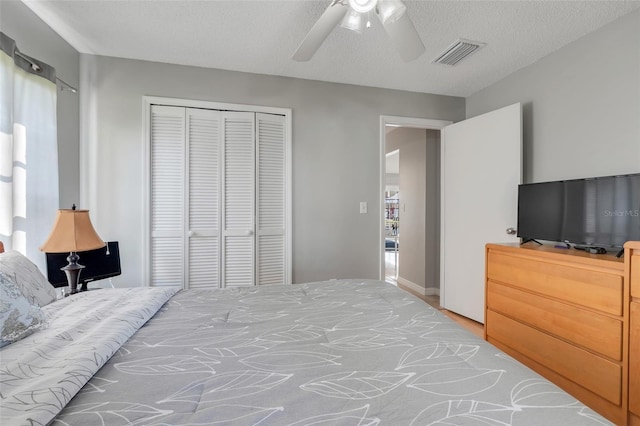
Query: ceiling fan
[{"x": 351, "y": 13}]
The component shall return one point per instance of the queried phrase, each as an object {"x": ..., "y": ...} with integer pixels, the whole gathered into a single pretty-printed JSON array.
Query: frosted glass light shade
[
  {"x": 352, "y": 21},
  {"x": 362, "y": 6},
  {"x": 72, "y": 232},
  {"x": 391, "y": 10}
]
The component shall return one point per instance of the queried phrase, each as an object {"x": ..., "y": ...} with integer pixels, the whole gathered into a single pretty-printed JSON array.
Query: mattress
[{"x": 340, "y": 352}]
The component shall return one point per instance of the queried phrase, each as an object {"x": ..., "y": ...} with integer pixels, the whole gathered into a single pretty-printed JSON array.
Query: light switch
[{"x": 363, "y": 206}]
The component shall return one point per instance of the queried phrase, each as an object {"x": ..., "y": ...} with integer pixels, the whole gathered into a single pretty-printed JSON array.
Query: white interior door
[
  {"x": 238, "y": 230},
  {"x": 481, "y": 170},
  {"x": 167, "y": 134},
  {"x": 203, "y": 131},
  {"x": 270, "y": 199}
]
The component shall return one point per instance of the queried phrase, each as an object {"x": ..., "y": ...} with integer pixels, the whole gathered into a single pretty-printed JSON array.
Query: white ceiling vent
[{"x": 458, "y": 51}]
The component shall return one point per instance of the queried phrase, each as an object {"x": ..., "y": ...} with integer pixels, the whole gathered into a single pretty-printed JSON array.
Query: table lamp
[{"x": 72, "y": 232}]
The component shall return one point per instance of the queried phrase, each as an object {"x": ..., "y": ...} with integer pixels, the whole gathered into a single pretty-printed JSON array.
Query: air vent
[{"x": 458, "y": 51}]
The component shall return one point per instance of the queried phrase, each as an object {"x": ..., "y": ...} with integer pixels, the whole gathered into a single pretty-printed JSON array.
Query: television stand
[{"x": 531, "y": 239}]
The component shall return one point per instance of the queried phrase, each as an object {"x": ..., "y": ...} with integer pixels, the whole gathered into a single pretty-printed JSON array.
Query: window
[{"x": 28, "y": 151}]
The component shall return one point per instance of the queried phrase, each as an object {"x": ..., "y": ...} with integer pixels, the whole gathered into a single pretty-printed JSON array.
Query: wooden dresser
[
  {"x": 565, "y": 314},
  {"x": 632, "y": 274}
]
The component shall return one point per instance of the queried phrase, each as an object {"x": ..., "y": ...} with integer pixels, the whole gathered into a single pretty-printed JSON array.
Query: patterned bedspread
[{"x": 343, "y": 352}]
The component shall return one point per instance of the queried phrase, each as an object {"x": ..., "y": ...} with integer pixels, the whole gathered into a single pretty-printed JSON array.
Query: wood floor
[{"x": 471, "y": 325}]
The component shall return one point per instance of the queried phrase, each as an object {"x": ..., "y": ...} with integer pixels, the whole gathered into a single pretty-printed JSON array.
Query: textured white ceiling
[{"x": 261, "y": 36}]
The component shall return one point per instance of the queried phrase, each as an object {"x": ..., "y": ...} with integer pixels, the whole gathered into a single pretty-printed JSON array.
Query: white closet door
[
  {"x": 167, "y": 199},
  {"x": 203, "y": 236},
  {"x": 238, "y": 199},
  {"x": 270, "y": 166}
]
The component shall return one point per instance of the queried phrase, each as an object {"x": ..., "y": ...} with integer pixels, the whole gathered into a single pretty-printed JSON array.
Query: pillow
[
  {"x": 18, "y": 317},
  {"x": 26, "y": 275}
]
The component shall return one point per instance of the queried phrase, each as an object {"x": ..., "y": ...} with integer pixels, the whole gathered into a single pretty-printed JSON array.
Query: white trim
[
  {"x": 417, "y": 288},
  {"x": 189, "y": 103},
  {"x": 418, "y": 123},
  {"x": 146, "y": 194},
  {"x": 288, "y": 278},
  {"x": 147, "y": 101}
]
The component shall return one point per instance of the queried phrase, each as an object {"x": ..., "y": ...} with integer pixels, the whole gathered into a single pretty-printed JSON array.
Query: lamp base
[{"x": 73, "y": 270}]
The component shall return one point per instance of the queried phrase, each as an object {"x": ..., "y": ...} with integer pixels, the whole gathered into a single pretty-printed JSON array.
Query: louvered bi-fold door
[
  {"x": 167, "y": 134},
  {"x": 270, "y": 166},
  {"x": 204, "y": 153},
  {"x": 217, "y": 198},
  {"x": 238, "y": 199}
]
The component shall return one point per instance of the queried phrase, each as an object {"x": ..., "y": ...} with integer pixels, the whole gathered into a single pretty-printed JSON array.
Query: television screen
[
  {"x": 601, "y": 212},
  {"x": 99, "y": 264},
  {"x": 540, "y": 211}
]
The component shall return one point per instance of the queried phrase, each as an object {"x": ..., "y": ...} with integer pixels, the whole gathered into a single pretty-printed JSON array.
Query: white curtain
[{"x": 28, "y": 153}]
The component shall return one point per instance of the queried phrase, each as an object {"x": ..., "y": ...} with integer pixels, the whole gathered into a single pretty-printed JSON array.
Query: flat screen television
[
  {"x": 99, "y": 264},
  {"x": 595, "y": 212}
]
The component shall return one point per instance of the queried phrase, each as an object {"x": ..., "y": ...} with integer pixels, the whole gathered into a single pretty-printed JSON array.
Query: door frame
[
  {"x": 147, "y": 101},
  {"x": 417, "y": 123}
]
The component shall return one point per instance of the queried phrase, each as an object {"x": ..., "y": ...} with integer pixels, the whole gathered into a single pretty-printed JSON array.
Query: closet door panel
[
  {"x": 203, "y": 146},
  {"x": 167, "y": 195},
  {"x": 238, "y": 198},
  {"x": 270, "y": 262},
  {"x": 270, "y": 165},
  {"x": 204, "y": 263},
  {"x": 167, "y": 261},
  {"x": 239, "y": 261}
]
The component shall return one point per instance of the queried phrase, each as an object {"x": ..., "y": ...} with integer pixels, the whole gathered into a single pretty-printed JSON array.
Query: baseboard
[{"x": 429, "y": 291}]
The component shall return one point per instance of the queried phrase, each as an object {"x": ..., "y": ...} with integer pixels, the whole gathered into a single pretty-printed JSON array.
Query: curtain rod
[{"x": 63, "y": 84}]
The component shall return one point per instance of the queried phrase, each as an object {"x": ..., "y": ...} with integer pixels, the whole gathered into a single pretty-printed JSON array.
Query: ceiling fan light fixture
[
  {"x": 352, "y": 21},
  {"x": 391, "y": 10},
  {"x": 362, "y": 6}
]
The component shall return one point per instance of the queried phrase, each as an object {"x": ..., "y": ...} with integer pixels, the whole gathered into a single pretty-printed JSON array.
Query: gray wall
[
  {"x": 37, "y": 39},
  {"x": 336, "y": 155},
  {"x": 413, "y": 181},
  {"x": 432, "y": 213},
  {"x": 581, "y": 105}
]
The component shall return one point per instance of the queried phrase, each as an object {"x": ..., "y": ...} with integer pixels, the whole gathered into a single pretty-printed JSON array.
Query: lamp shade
[{"x": 72, "y": 232}]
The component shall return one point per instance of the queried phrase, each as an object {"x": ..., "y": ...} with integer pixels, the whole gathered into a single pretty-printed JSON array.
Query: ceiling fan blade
[
  {"x": 320, "y": 30},
  {"x": 405, "y": 38}
]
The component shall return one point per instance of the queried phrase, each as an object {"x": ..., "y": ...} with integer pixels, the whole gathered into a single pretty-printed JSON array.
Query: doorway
[
  {"x": 410, "y": 226},
  {"x": 480, "y": 161},
  {"x": 392, "y": 214}
]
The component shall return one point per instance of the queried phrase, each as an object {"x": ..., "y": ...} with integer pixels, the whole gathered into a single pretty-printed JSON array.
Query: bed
[{"x": 339, "y": 352}]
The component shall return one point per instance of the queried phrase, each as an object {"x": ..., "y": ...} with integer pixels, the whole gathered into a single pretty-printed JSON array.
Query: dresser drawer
[
  {"x": 600, "y": 376},
  {"x": 634, "y": 359},
  {"x": 586, "y": 287},
  {"x": 599, "y": 333}
]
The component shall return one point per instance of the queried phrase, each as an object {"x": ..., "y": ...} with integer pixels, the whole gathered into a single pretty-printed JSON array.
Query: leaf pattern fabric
[
  {"x": 41, "y": 373},
  {"x": 18, "y": 317},
  {"x": 341, "y": 352},
  {"x": 33, "y": 285}
]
